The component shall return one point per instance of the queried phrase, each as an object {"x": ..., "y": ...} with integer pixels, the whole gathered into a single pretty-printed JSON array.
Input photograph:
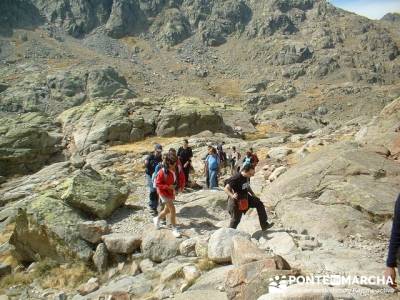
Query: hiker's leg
[
  {"x": 171, "y": 207},
  {"x": 256, "y": 203},
  {"x": 234, "y": 212},
  {"x": 164, "y": 212},
  {"x": 153, "y": 198},
  {"x": 186, "y": 171},
  {"x": 213, "y": 178},
  {"x": 207, "y": 179}
]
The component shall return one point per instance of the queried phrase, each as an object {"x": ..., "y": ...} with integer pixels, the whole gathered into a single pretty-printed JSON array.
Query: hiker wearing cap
[
  {"x": 150, "y": 164},
  {"x": 167, "y": 182},
  {"x": 213, "y": 164},
  {"x": 185, "y": 155},
  {"x": 394, "y": 246},
  {"x": 242, "y": 197}
]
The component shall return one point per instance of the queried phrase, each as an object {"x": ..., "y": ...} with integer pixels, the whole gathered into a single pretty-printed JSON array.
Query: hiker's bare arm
[{"x": 230, "y": 192}]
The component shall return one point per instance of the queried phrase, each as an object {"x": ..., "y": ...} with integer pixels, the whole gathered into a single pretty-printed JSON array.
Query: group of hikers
[{"x": 168, "y": 174}]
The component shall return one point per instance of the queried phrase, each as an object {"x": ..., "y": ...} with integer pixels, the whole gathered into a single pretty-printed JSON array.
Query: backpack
[
  {"x": 247, "y": 161},
  {"x": 152, "y": 164},
  {"x": 159, "y": 167},
  {"x": 154, "y": 176}
]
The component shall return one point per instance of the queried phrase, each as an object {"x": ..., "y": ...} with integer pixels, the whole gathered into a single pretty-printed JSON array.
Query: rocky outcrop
[
  {"x": 351, "y": 189},
  {"x": 27, "y": 143},
  {"x": 100, "y": 123},
  {"x": 384, "y": 130},
  {"x": 188, "y": 116},
  {"x": 53, "y": 93}
]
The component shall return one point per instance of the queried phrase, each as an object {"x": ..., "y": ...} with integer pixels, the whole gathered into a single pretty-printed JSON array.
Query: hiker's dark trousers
[{"x": 236, "y": 214}]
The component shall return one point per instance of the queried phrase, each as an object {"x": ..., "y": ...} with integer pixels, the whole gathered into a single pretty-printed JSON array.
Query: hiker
[
  {"x": 394, "y": 246},
  {"x": 185, "y": 155},
  {"x": 209, "y": 148},
  {"x": 255, "y": 157},
  {"x": 221, "y": 154},
  {"x": 234, "y": 158},
  {"x": 150, "y": 164},
  {"x": 213, "y": 165},
  {"x": 179, "y": 168},
  {"x": 242, "y": 197},
  {"x": 248, "y": 159},
  {"x": 167, "y": 183}
]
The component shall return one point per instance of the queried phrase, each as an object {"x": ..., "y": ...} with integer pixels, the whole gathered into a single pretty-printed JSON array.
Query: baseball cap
[{"x": 158, "y": 147}]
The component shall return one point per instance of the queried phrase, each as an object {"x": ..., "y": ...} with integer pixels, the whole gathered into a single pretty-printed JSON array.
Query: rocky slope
[{"x": 87, "y": 88}]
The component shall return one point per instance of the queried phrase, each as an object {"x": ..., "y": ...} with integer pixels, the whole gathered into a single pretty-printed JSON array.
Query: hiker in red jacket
[
  {"x": 168, "y": 181},
  {"x": 179, "y": 166}
]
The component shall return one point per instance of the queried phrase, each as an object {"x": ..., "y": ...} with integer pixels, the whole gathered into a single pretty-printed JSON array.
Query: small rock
[
  {"x": 191, "y": 273},
  {"x": 201, "y": 247},
  {"x": 5, "y": 269},
  {"x": 135, "y": 268},
  {"x": 92, "y": 231},
  {"x": 146, "y": 265},
  {"x": 188, "y": 247},
  {"x": 100, "y": 258},
  {"x": 122, "y": 243},
  {"x": 59, "y": 296},
  {"x": 276, "y": 173},
  {"x": 89, "y": 287},
  {"x": 244, "y": 251}
]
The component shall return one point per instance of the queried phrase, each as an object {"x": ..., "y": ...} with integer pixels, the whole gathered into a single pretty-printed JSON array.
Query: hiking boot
[
  {"x": 268, "y": 226},
  {"x": 156, "y": 221},
  {"x": 176, "y": 233}
]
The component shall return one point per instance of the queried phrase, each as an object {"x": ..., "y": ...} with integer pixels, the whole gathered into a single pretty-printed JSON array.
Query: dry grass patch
[
  {"x": 262, "y": 130},
  {"x": 228, "y": 88},
  {"x": 50, "y": 274},
  {"x": 206, "y": 264},
  {"x": 146, "y": 145}
]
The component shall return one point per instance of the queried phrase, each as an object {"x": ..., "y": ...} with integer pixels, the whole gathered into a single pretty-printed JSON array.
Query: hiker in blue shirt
[{"x": 213, "y": 164}]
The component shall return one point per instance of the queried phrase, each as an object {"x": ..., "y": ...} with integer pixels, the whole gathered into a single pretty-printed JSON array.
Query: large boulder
[
  {"x": 48, "y": 227},
  {"x": 221, "y": 243},
  {"x": 27, "y": 143},
  {"x": 159, "y": 245},
  {"x": 188, "y": 116},
  {"x": 95, "y": 194},
  {"x": 107, "y": 83},
  {"x": 249, "y": 281},
  {"x": 100, "y": 122},
  {"x": 350, "y": 188},
  {"x": 384, "y": 130}
]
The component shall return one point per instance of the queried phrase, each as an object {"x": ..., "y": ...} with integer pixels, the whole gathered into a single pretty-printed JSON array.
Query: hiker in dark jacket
[
  {"x": 185, "y": 155},
  {"x": 394, "y": 246},
  {"x": 150, "y": 164},
  {"x": 242, "y": 197}
]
